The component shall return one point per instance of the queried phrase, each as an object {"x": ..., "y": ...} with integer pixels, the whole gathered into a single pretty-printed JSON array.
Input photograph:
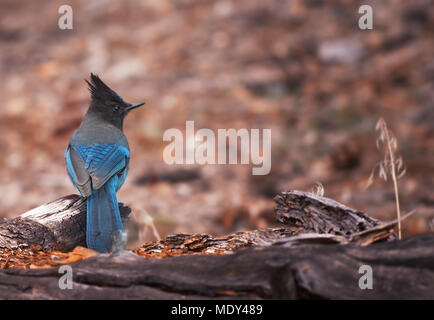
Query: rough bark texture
[
  {"x": 310, "y": 213},
  {"x": 317, "y": 256},
  {"x": 401, "y": 270},
  {"x": 59, "y": 225}
]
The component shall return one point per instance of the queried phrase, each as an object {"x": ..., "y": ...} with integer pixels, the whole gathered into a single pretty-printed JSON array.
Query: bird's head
[{"x": 106, "y": 103}]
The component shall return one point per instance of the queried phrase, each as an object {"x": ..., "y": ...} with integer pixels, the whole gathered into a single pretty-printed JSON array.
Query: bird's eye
[{"x": 116, "y": 109}]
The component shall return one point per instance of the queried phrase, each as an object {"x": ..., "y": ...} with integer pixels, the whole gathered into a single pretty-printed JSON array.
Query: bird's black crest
[{"x": 100, "y": 91}]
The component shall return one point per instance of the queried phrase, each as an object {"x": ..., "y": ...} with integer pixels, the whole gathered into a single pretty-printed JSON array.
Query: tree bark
[
  {"x": 61, "y": 225},
  {"x": 316, "y": 255},
  {"x": 273, "y": 272},
  {"x": 58, "y": 225}
]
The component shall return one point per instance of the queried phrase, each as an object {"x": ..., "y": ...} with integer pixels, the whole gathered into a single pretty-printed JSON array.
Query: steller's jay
[{"x": 97, "y": 160}]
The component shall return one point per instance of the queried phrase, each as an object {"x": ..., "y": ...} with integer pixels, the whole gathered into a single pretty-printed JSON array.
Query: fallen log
[
  {"x": 273, "y": 272},
  {"x": 60, "y": 225},
  {"x": 57, "y": 225},
  {"x": 307, "y": 212},
  {"x": 316, "y": 255}
]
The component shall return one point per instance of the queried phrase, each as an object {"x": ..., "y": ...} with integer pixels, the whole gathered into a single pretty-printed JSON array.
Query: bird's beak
[{"x": 132, "y": 106}]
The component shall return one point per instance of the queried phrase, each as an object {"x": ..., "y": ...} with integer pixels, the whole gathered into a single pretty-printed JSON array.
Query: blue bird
[{"x": 97, "y": 159}]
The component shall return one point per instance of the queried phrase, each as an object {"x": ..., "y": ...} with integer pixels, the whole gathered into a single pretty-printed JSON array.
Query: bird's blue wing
[{"x": 96, "y": 163}]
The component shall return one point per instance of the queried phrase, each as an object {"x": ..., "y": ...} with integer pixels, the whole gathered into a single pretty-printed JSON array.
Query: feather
[{"x": 100, "y": 91}]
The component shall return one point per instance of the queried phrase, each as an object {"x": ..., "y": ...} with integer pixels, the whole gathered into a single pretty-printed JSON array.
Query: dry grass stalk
[{"x": 392, "y": 164}]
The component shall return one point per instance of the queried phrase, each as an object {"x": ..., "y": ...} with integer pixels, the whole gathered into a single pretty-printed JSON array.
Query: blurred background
[{"x": 302, "y": 68}]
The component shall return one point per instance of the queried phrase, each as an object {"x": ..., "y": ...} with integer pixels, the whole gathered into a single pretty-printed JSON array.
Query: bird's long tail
[{"x": 103, "y": 218}]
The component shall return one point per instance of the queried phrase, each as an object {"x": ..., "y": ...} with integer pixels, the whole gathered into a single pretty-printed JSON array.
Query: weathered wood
[
  {"x": 306, "y": 212},
  {"x": 401, "y": 270},
  {"x": 305, "y": 260},
  {"x": 60, "y": 225},
  {"x": 308, "y": 218}
]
